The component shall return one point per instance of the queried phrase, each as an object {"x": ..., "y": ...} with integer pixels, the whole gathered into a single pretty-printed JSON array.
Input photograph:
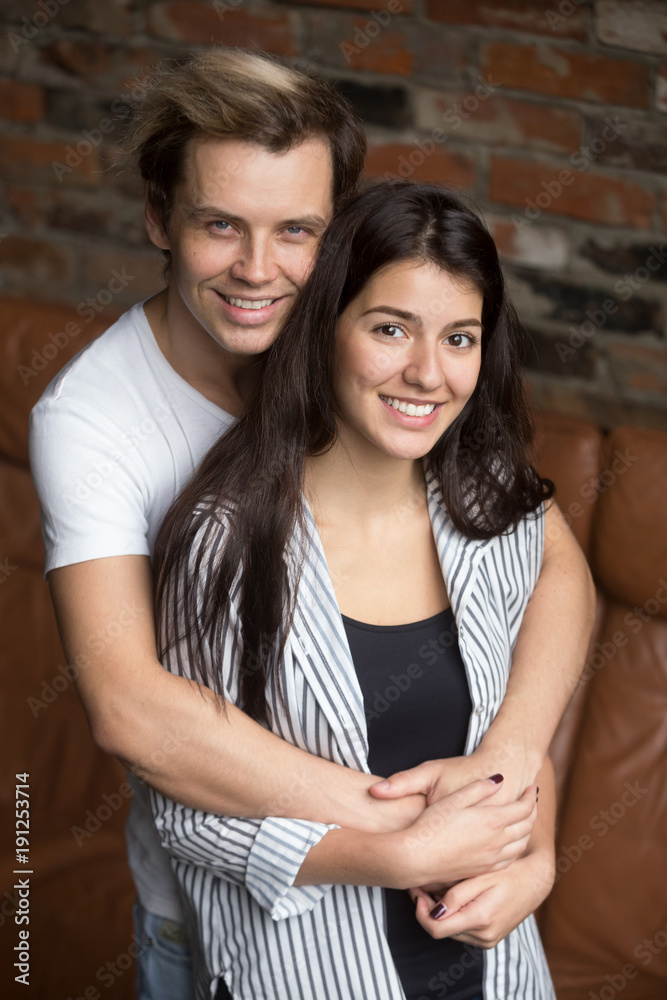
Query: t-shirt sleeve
[{"x": 91, "y": 482}]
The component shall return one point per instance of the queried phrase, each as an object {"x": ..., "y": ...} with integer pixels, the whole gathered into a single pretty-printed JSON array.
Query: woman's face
[{"x": 408, "y": 354}]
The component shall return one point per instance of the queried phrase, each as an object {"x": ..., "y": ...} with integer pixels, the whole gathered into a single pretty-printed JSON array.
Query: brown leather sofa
[{"x": 605, "y": 923}]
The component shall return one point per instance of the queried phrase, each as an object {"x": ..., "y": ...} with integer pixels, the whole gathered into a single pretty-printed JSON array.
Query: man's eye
[
  {"x": 295, "y": 230},
  {"x": 221, "y": 225}
]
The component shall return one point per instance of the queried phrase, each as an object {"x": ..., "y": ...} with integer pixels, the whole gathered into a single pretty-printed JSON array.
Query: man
[{"x": 244, "y": 161}]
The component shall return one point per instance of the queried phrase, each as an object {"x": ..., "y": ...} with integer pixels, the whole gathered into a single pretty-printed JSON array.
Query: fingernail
[
  {"x": 438, "y": 911},
  {"x": 496, "y": 778},
  {"x": 381, "y": 784}
]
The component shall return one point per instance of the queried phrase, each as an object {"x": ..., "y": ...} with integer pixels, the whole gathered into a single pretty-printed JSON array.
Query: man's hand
[{"x": 435, "y": 779}]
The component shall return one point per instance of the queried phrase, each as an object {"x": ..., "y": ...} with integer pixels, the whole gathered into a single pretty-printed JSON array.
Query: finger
[
  {"x": 416, "y": 781},
  {"x": 473, "y": 793}
]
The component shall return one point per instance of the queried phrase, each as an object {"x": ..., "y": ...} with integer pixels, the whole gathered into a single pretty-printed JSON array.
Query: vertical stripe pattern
[{"x": 270, "y": 939}]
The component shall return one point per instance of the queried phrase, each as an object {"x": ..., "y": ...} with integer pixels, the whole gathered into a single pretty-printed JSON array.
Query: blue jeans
[{"x": 164, "y": 967}]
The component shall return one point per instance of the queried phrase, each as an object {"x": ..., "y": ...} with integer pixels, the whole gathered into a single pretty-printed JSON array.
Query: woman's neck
[{"x": 363, "y": 484}]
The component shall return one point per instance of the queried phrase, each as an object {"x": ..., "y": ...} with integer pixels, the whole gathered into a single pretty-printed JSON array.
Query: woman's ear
[{"x": 154, "y": 228}]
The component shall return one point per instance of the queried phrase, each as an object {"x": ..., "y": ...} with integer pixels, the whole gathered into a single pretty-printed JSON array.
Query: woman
[{"x": 374, "y": 506}]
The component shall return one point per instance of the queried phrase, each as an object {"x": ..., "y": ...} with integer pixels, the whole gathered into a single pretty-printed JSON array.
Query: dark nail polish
[
  {"x": 496, "y": 778},
  {"x": 438, "y": 911}
]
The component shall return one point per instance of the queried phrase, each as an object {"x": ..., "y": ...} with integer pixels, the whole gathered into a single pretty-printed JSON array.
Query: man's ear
[{"x": 154, "y": 228}]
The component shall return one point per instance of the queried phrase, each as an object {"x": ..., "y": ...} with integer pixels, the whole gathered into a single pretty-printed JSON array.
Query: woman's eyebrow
[{"x": 392, "y": 311}]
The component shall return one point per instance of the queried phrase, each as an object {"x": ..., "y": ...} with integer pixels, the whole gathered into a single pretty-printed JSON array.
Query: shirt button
[{"x": 480, "y": 710}]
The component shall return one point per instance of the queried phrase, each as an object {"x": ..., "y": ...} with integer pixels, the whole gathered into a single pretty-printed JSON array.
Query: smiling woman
[{"x": 376, "y": 494}]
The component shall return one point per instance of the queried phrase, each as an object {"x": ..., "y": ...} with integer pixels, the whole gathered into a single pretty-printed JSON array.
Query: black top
[{"x": 417, "y": 706}]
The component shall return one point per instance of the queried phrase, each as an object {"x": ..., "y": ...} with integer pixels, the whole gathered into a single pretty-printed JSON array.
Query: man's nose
[{"x": 254, "y": 264}]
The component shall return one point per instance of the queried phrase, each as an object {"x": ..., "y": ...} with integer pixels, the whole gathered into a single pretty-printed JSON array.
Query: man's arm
[
  {"x": 172, "y": 732},
  {"x": 547, "y": 662}
]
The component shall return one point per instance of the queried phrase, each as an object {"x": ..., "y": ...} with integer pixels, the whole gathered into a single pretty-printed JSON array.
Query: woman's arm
[
  {"x": 546, "y": 665},
  {"x": 483, "y": 910},
  {"x": 462, "y": 835}
]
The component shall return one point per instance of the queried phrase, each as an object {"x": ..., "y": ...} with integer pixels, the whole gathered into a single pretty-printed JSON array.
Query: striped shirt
[{"x": 272, "y": 940}]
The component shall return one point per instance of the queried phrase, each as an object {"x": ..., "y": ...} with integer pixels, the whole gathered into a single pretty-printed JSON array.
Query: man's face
[{"x": 243, "y": 234}]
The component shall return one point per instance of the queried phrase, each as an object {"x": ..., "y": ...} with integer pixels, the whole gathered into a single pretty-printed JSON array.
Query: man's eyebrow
[{"x": 412, "y": 318}]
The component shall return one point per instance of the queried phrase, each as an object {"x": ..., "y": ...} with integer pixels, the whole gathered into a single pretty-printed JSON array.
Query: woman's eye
[
  {"x": 390, "y": 330},
  {"x": 461, "y": 340}
]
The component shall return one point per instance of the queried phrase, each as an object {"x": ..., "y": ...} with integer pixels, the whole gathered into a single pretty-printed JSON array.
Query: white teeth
[
  {"x": 248, "y": 303},
  {"x": 411, "y": 409}
]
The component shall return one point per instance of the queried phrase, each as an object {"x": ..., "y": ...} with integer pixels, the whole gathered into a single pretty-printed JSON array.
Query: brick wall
[{"x": 551, "y": 116}]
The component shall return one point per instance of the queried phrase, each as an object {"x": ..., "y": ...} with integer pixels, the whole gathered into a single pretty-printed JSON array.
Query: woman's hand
[
  {"x": 465, "y": 834},
  {"x": 483, "y": 910}
]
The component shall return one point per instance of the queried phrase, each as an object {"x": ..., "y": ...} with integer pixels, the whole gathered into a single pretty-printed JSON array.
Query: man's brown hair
[{"x": 225, "y": 93}]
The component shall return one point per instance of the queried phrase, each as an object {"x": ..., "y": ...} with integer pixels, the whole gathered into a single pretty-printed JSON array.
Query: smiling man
[{"x": 244, "y": 161}]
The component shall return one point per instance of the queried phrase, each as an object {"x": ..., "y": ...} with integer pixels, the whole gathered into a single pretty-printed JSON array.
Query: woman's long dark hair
[{"x": 253, "y": 477}]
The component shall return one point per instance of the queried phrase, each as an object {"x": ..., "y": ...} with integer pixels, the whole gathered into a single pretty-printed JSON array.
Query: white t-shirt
[{"x": 114, "y": 438}]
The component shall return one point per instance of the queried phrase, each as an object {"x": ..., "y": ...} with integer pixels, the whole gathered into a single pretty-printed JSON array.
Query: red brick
[
  {"x": 113, "y": 18},
  {"x": 398, "y": 47},
  {"x": 638, "y": 366},
  {"x": 24, "y": 158},
  {"x": 399, "y": 6},
  {"x": 579, "y": 75},
  {"x": 95, "y": 212},
  {"x": 111, "y": 66},
  {"x": 516, "y": 15},
  {"x": 387, "y": 52},
  {"x": 586, "y": 195},
  {"x": 502, "y": 120},
  {"x": 640, "y": 25},
  {"x": 201, "y": 24},
  {"x": 36, "y": 260},
  {"x": 534, "y": 246},
  {"x": 21, "y": 102},
  {"x": 410, "y": 162}
]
